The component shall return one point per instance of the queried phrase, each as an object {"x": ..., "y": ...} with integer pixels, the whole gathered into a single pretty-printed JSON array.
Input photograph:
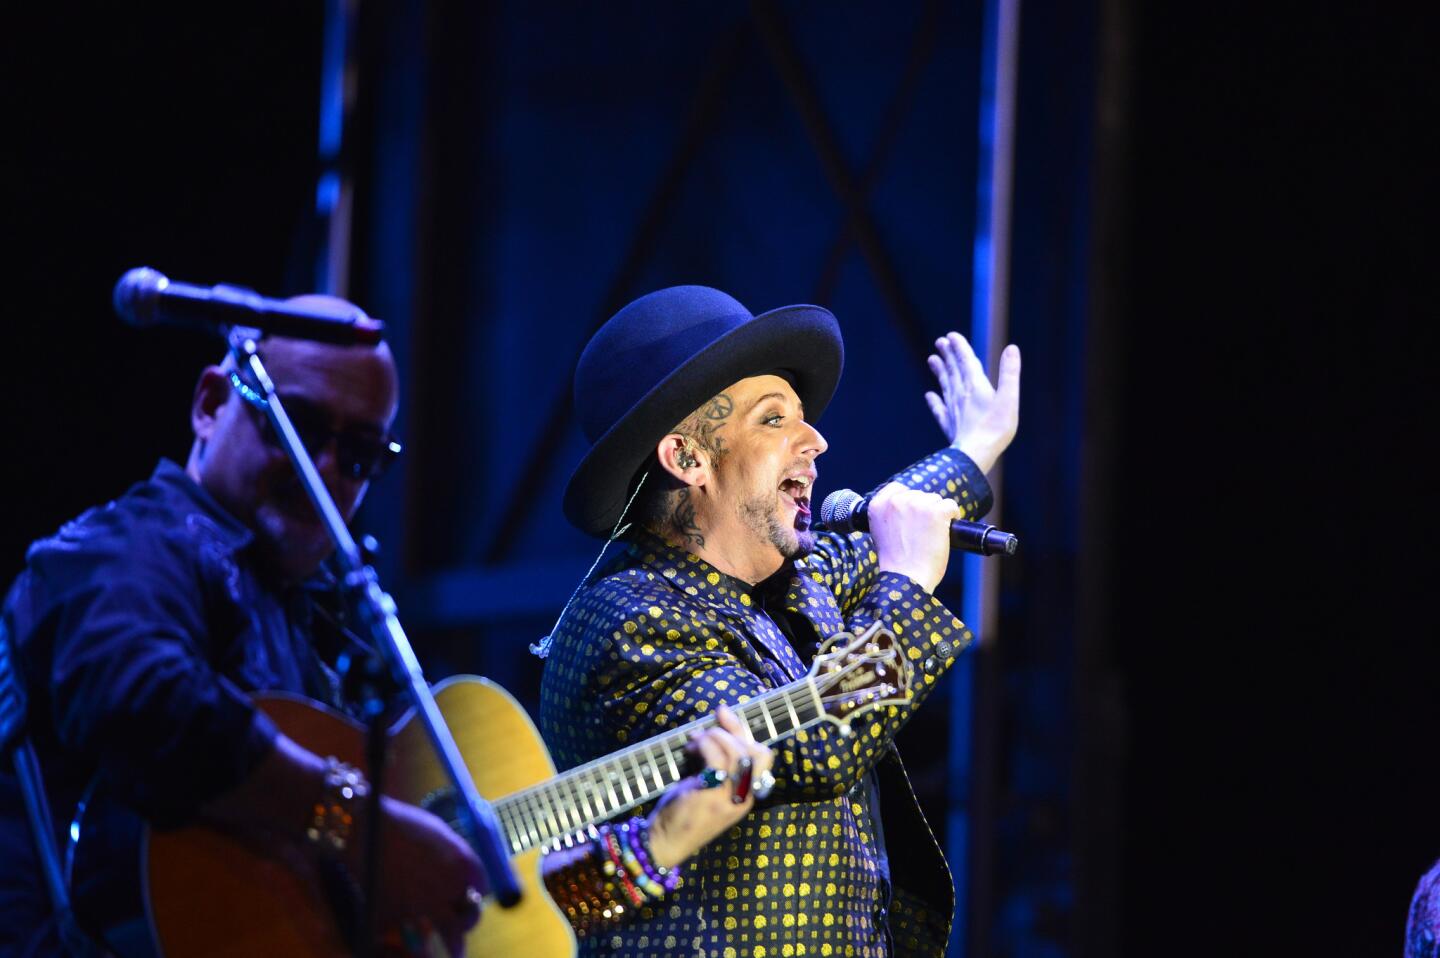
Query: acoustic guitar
[{"x": 209, "y": 893}]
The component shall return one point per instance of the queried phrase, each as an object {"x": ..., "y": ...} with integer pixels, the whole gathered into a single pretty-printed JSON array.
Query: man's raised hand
[{"x": 978, "y": 418}]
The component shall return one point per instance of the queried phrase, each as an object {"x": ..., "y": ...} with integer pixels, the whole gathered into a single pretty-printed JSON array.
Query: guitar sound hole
[{"x": 443, "y": 804}]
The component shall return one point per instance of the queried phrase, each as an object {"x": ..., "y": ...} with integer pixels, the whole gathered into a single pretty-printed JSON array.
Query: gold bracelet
[{"x": 334, "y": 814}]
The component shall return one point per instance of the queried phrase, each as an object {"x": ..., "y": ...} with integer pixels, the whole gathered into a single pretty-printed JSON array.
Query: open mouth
[{"x": 797, "y": 489}]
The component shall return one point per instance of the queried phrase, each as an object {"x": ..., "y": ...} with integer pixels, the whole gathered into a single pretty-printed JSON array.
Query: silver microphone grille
[
  {"x": 838, "y": 507},
  {"x": 136, "y": 294}
]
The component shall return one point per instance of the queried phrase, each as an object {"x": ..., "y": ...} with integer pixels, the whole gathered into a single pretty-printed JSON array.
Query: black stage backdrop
[
  {"x": 172, "y": 129},
  {"x": 1276, "y": 499},
  {"x": 1271, "y": 556}
]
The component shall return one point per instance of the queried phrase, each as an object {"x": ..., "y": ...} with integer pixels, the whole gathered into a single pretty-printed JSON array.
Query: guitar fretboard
[{"x": 602, "y": 789}]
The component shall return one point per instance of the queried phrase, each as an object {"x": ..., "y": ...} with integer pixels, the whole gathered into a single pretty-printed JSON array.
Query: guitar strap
[{"x": 16, "y": 746}]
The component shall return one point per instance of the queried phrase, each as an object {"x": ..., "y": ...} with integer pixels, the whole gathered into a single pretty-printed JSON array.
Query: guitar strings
[
  {"x": 545, "y": 812},
  {"x": 561, "y": 808}
]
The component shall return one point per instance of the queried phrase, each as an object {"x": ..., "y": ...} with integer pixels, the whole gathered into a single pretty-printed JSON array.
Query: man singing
[{"x": 703, "y": 458}]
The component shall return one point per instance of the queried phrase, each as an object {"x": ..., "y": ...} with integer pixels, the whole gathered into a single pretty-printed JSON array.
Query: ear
[
  {"x": 212, "y": 391},
  {"x": 683, "y": 458}
]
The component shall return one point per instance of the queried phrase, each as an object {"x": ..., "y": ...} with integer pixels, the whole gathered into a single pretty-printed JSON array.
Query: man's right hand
[
  {"x": 426, "y": 869},
  {"x": 911, "y": 530},
  {"x": 430, "y": 879}
]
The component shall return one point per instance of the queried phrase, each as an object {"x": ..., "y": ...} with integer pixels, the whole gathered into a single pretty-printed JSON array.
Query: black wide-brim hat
[{"x": 660, "y": 358}]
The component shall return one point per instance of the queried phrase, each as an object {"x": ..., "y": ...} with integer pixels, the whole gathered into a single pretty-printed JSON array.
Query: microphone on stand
[
  {"x": 844, "y": 510},
  {"x": 145, "y": 297}
]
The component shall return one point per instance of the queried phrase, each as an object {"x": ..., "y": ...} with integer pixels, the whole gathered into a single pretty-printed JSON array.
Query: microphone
[
  {"x": 844, "y": 510},
  {"x": 145, "y": 297}
]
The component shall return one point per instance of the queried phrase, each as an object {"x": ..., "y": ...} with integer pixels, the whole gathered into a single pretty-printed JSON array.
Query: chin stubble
[{"x": 791, "y": 543}]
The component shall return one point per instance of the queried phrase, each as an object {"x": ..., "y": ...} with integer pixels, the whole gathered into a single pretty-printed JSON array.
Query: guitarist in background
[
  {"x": 143, "y": 626},
  {"x": 700, "y": 418}
]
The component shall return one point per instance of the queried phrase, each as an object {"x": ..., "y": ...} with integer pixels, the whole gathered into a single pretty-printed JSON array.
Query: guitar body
[
  {"x": 504, "y": 753},
  {"x": 214, "y": 894}
]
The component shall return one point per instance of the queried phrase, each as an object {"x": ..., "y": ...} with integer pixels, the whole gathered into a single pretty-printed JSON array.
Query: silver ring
[
  {"x": 764, "y": 782},
  {"x": 712, "y": 777}
]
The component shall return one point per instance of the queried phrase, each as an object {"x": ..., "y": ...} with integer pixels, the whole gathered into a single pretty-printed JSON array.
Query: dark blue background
[{"x": 1206, "y": 723}]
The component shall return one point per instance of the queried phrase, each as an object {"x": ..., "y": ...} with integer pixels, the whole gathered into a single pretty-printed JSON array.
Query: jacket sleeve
[
  {"x": 129, "y": 686},
  {"x": 821, "y": 762},
  {"x": 663, "y": 664}
]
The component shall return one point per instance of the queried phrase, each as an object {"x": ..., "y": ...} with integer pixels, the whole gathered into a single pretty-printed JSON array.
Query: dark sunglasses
[{"x": 361, "y": 456}]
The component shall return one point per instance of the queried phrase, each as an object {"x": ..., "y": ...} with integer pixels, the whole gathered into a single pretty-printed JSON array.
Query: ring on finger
[
  {"x": 740, "y": 786},
  {"x": 712, "y": 777},
  {"x": 470, "y": 903}
]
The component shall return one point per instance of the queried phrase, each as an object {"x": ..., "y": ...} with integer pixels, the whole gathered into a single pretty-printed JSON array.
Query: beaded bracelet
[
  {"x": 597, "y": 882},
  {"x": 667, "y": 877},
  {"x": 616, "y": 866},
  {"x": 632, "y": 863},
  {"x": 625, "y": 855},
  {"x": 636, "y": 836},
  {"x": 333, "y": 817}
]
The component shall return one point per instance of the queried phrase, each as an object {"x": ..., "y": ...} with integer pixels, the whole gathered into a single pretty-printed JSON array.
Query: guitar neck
[{"x": 606, "y": 787}]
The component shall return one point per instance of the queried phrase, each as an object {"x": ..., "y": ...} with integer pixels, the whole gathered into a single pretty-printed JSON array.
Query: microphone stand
[{"x": 377, "y": 611}]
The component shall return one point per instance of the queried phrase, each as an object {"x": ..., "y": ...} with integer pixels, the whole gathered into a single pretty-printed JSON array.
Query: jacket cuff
[
  {"x": 968, "y": 486},
  {"x": 952, "y": 474},
  {"x": 929, "y": 635}
]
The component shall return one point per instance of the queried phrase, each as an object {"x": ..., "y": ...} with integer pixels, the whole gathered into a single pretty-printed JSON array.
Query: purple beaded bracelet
[{"x": 669, "y": 878}]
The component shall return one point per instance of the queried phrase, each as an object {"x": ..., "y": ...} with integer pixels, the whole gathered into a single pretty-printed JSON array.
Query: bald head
[{"x": 345, "y": 397}]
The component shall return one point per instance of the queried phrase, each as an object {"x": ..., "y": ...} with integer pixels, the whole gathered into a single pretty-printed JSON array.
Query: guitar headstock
[{"x": 856, "y": 673}]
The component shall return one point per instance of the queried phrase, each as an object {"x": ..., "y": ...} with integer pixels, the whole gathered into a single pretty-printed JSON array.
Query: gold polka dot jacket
[{"x": 662, "y": 638}]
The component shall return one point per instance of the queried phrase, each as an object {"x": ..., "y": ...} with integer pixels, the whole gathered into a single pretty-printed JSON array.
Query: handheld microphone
[
  {"x": 844, "y": 510},
  {"x": 145, "y": 297}
]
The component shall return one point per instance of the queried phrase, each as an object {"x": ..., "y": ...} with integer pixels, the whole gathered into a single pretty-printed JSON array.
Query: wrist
[
  {"x": 627, "y": 854},
  {"x": 925, "y": 579},
  {"x": 334, "y": 825},
  {"x": 663, "y": 851},
  {"x": 983, "y": 454},
  {"x": 667, "y": 850}
]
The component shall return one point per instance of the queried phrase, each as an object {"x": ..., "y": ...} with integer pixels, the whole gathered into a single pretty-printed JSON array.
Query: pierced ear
[
  {"x": 212, "y": 391},
  {"x": 680, "y": 457}
]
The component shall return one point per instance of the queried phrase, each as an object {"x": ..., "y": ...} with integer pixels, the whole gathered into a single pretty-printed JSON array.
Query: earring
[{"x": 686, "y": 461}]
